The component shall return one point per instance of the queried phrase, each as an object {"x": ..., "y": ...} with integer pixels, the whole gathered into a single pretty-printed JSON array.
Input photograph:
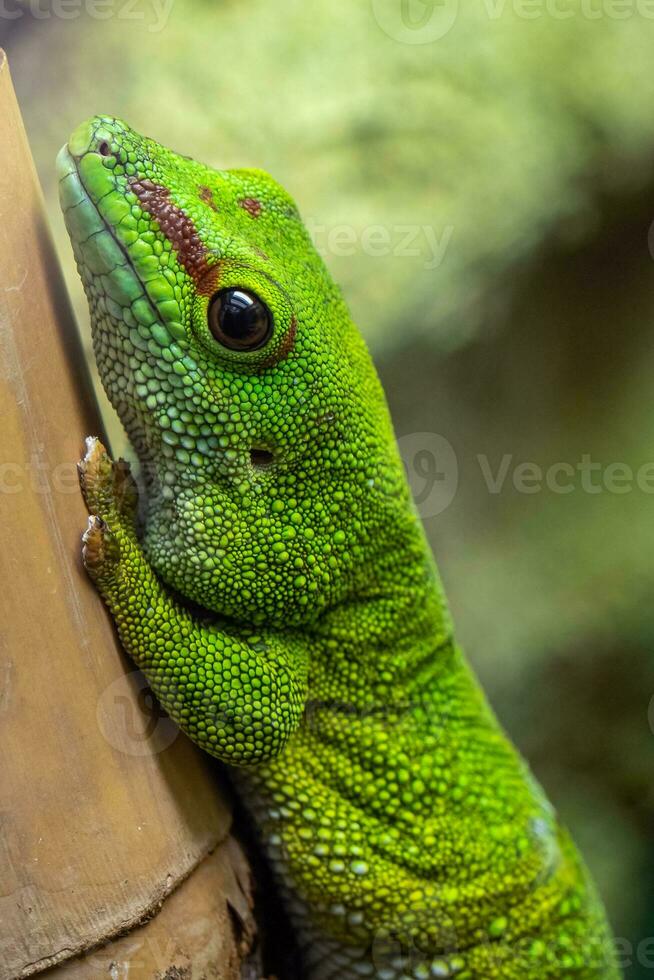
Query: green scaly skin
[{"x": 289, "y": 616}]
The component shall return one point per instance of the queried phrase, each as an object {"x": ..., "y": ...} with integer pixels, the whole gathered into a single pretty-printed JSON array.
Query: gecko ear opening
[{"x": 261, "y": 457}]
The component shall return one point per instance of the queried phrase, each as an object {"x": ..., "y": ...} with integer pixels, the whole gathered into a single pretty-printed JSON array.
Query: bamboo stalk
[{"x": 105, "y": 808}]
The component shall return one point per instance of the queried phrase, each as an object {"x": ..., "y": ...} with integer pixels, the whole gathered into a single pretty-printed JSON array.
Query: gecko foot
[{"x": 108, "y": 487}]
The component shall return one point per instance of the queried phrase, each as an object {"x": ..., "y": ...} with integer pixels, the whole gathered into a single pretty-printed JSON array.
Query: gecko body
[{"x": 281, "y": 597}]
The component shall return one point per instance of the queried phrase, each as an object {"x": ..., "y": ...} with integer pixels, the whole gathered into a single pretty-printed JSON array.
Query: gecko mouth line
[{"x": 68, "y": 166}]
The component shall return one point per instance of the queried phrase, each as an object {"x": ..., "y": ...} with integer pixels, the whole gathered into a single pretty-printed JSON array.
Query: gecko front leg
[{"x": 236, "y": 694}]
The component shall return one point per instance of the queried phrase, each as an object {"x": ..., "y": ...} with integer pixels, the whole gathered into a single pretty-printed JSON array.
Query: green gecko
[{"x": 280, "y": 595}]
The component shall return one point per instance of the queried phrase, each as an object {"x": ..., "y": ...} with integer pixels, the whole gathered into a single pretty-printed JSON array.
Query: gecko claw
[{"x": 99, "y": 546}]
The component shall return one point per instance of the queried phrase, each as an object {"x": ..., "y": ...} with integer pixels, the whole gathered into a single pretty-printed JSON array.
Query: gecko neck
[{"x": 384, "y": 645}]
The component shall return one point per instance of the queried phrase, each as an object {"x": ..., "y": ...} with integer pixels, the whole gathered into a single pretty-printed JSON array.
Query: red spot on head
[
  {"x": 251, "y": 205},
  {"x": 180, "y": 231},
  {"x": 206, "y": 195}
]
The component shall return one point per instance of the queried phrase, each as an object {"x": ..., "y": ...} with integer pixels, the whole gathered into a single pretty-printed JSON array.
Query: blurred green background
[{"x": 480, "y": 180}]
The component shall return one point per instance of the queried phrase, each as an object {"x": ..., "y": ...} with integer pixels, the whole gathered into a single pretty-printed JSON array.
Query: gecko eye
[{"x": 239, "y": 320}]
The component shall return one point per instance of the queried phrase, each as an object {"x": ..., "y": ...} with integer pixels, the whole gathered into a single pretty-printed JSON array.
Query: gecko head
[{"x": 272, "y": 478}]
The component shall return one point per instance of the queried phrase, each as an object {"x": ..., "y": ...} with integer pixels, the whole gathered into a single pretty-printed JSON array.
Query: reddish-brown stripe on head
[
  {"x": 180, "y": 232},
  {"x": 251, "y": 205},
  {"x": 285, "y": 348}
]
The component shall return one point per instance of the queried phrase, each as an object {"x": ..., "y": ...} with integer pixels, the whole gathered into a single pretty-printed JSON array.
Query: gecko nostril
[
  {"x": 104, "y": 149},
  {"x": 261, "y": 457}
]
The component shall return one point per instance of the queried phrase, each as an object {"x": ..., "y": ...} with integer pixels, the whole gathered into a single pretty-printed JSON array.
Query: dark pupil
[{"x": 239, "y": 320}]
